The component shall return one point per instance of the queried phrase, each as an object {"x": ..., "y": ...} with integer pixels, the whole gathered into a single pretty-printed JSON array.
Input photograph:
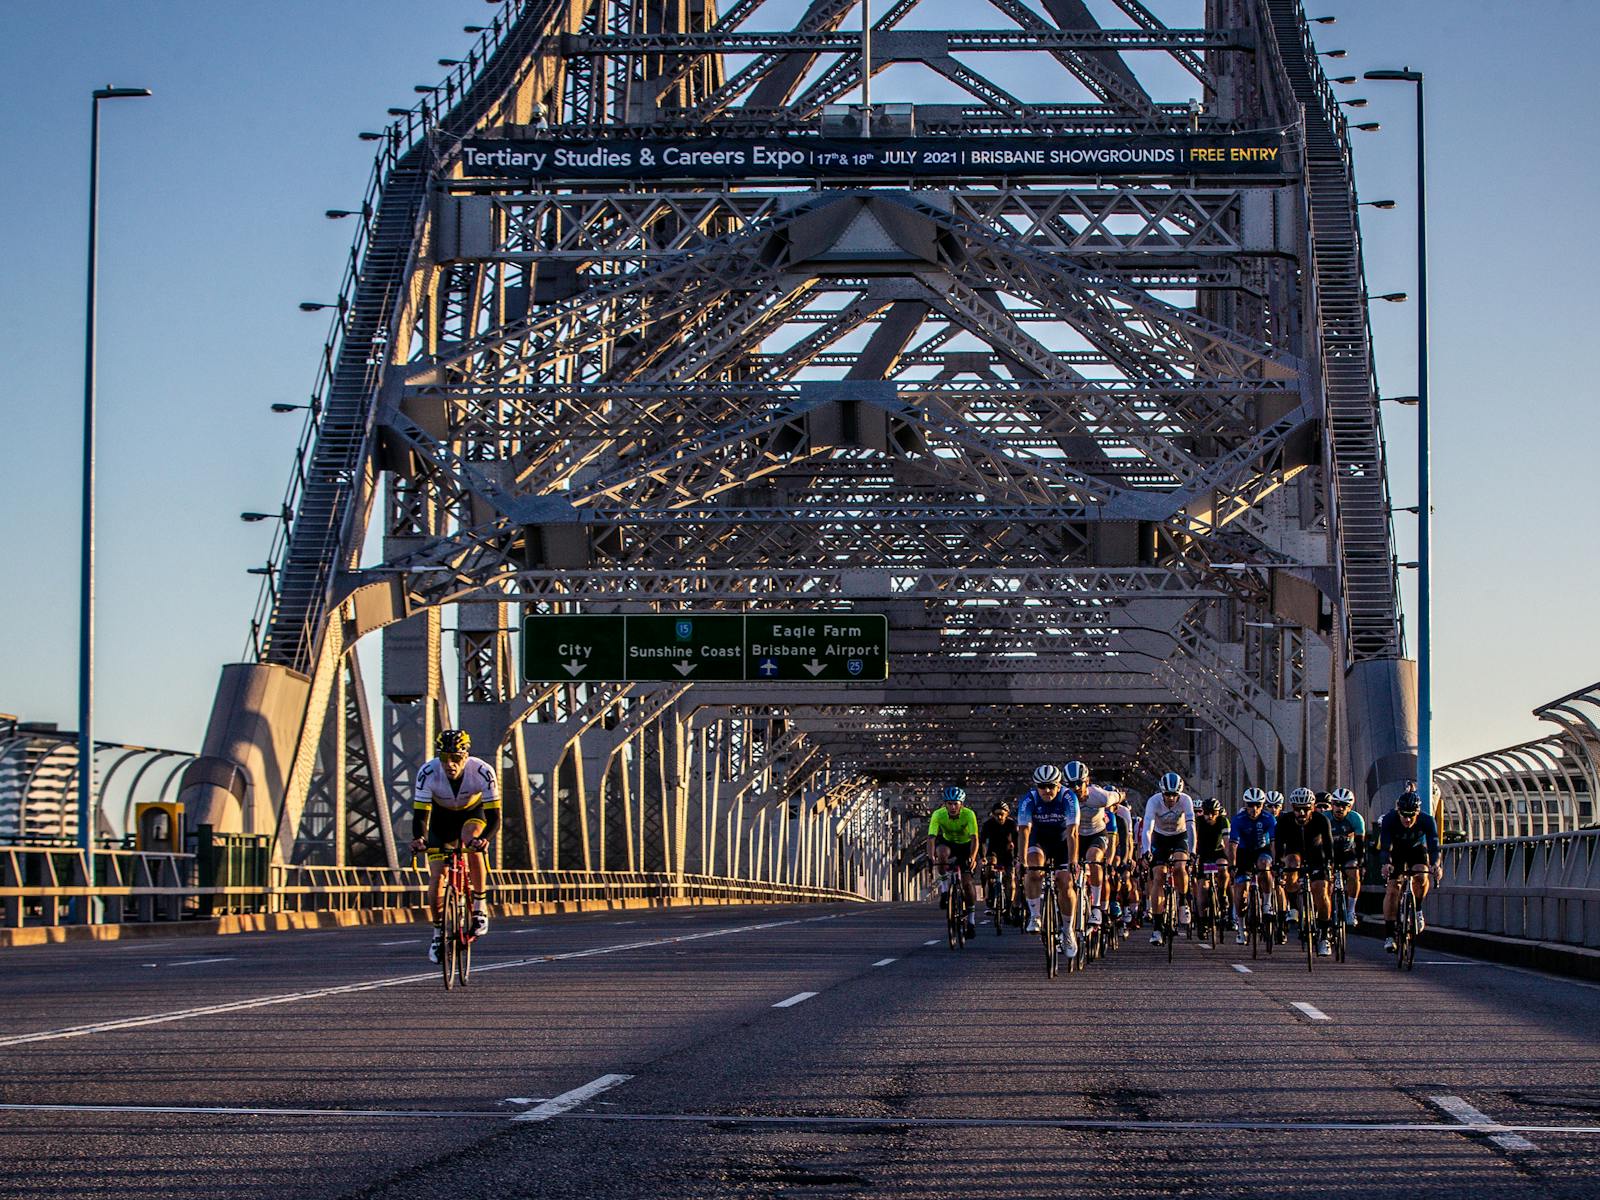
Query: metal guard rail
[
  {"x": 1541, "y": 889},
  {"x": 36, "y": 884}
]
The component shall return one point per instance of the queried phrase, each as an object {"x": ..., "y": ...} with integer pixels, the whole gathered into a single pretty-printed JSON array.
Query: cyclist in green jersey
[{"x": 953, "y": 833}]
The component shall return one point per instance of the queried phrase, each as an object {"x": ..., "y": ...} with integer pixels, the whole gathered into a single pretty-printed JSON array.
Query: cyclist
[
  {"x": 1167, "y": 840},
  {"x": 998, "y": 841},
  {"x": 1349, "y": 844},
  {"x": 1305, "y": 841},
  {"x": 467, "y": 796},
  {"x": 1211, "y": 847},
  {"x": 1096, "y": 833},
  {"x": 1047, "y": 830},
  {"x": 1250, "y": 851},
  {"x": 1121, "y": 821},
  {"x": 1408, "y": 846},
  {"x": 953, "y": 834},
  {"x": 1275, "y": 807}
]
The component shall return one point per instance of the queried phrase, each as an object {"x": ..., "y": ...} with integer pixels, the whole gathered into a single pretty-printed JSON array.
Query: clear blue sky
[{"x": 212, "y": 196}]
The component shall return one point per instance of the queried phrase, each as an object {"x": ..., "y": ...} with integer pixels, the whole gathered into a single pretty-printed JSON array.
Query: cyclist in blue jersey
[
  {"x": 1408, "y": 848},
  {"x": 1047, "y": 829},
  {"x": 1250, "y": 850},
  {"x": 1349, "y": 844}
]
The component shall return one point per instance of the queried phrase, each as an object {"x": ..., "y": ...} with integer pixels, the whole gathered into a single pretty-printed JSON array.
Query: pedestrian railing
[
  {"x": 1541, "y": 889},
  {"x": 47, "y": 885}
]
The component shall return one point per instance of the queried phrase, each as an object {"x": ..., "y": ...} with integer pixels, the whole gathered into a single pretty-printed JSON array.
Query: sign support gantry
[{"x": 1064, "y": 377}]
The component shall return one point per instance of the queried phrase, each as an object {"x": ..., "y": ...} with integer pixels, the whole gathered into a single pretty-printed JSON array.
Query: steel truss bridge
[{"x": 1105, "y": 448}]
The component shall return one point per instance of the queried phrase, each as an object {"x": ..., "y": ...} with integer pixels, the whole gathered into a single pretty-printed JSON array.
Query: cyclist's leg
[
  {"x": 1094, "y": 857},
  {"x": 1352, "y": 893},
  {"x": 478, "y": 873},
  {"x": 1180, "y": 881},
  {"x": 1322, "y": 903},
  {"x": 1289, "y": 880},
  {"x": 1391, "y": 902},
  {"x": 1033, "y": 884}
]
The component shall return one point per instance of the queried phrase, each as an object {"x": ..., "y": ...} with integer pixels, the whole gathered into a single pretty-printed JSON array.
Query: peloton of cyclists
[{"x": 1047, "y": 831}]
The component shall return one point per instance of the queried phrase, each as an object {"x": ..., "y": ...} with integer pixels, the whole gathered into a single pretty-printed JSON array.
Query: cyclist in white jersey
[
  {"x": 456, "y": 800},
  {"x": 1095, "y": 841},
  {"x": 1167, "y": 839}
]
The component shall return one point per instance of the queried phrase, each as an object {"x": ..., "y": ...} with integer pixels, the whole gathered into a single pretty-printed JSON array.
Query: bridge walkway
[{"x": 910, "y": 1065}]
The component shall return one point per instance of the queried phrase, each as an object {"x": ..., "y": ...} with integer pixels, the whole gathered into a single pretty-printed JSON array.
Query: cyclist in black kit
[
  {"x": 1305, "y": 842},
  {"x": 997, "y": 842},
  {"x": 1211, "y": 827}
]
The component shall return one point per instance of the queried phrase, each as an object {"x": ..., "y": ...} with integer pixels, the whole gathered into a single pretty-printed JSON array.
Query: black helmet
[
  {"x": 1410, "y": 802},
  {"x": 452, "y": 741},
  {"x": 1211, "y": 807}
]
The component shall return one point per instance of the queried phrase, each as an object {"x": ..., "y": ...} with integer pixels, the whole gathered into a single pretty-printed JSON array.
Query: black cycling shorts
[
  {"x": 958, "y": 850},
  {"x": 1051, "y": 841},
  {"x": 1164, "y": 845},
  {"x": 445, "y": 825},
  {"x": 1096, "y": 841}
]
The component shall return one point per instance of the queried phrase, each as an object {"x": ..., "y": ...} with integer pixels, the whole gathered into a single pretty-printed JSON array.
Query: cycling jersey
[
  {"x": 1252, "y": 834},
  {"x": 1210, "y": 837},
  {"x": 1093, "y": 806},
  {"x": 473, "y": 796},
  {"x": 433, "y": 785},
  {"x": 999, "y": 838},
  {"x": 1349, "y": 832},
  {"x": 1057, "y": 815},
  {"x": 957, "y": 830},
  {"x": 1167, "y": 821},
  {"x": 1311, "y": 839},
  {"x": 1418, "y": 844}
]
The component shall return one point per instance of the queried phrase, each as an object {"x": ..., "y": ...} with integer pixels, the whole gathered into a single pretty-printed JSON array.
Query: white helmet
[
  {"x": 1255, "y": 796},
  {"x": 1171, "y": 783},
  {"x": 1046, "y": 773}
]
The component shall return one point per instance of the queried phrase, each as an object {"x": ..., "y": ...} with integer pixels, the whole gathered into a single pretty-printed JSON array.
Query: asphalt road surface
[{"x": 800, "y": 1051}]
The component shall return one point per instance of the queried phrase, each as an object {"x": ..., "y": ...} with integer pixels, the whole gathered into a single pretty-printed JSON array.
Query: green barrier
[{"x": 232, "y": 860}]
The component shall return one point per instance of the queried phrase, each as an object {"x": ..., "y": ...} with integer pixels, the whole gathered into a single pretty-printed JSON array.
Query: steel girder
[{"x": 1068, "y": 435}]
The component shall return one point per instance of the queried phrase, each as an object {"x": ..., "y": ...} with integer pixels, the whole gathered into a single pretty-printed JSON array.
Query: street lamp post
[
  {"x": 1424, "y": 457},
  {"x": 86, "y": 611}
]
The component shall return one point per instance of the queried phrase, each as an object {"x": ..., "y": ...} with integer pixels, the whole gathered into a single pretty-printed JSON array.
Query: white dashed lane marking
[
  {"x": 1311, "y": 1010},
  {"x": 1467, "y": 1115},
  {"x": 797, "y": 998}
]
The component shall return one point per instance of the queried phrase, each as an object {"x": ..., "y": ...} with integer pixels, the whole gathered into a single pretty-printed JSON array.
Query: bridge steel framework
[{"x": 1105, "y": 450}]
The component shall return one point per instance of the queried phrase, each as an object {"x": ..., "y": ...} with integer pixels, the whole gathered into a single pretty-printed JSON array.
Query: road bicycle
[
  {"x": 1307, "y": 912},
  {"x": 1406, "y": 923},
  {"x": 457, "y": 926},
  {"x": 1341, "y": 934},
  {"x": 1212, "y": 917},
  {"x": 957, "y": 906},
  {"x": 1049, "y": 920},
  {"x": 1257, "y": 925},
  {"x": 994, "y": 894}
]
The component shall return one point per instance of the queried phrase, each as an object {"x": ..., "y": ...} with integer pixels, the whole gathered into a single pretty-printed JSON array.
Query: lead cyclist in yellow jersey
[{"x": 457, "y": 800}]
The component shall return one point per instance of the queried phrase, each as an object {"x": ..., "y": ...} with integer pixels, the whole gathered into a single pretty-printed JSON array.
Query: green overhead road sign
[{"x": 718, "y": 647}]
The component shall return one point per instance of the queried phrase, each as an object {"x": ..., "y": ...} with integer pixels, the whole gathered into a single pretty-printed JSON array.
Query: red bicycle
[{"x": 455, "y": 907}]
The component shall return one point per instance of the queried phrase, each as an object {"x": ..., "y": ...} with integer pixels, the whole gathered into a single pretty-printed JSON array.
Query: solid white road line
[
  {"x": 1467, "y": 1115},
  {"x": 1311, "y": 1010},
  {"x": 416, "y": 941},
  {"x": 797, "y": 998},
  {"x": 191, "y": 962},
  {"x": 184, "y": 1014},
  {"x": 884, "y": 962},
  {"x": 933, "y": 941},
  {"x": 1242, "y": 969},
  {"x": 568, "y": 1101}
]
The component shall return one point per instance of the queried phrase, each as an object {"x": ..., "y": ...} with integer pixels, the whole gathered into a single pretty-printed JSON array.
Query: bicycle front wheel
[{"x": 450, "y": 946}]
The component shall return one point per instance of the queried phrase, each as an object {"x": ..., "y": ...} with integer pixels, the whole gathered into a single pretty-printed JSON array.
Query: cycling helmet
[
  {"x": 1274, "y": 800},
  {"x": 1046, "y": 773},
  {"x": 1343, "y": 798},
  {"x": 1076, "y": 773},
  {"x": 1000, "y": 806},
  {"x": 1408, "y": 803},
  {"x": 1302, "y": 797},
  {"x": 955, "y": 795},
  {"x": 452, "y": 741},
  {"x": 1211, "y": 807},
  {"x": 1171, "y": 783},
  {"x": 1254, "y": 796}
]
